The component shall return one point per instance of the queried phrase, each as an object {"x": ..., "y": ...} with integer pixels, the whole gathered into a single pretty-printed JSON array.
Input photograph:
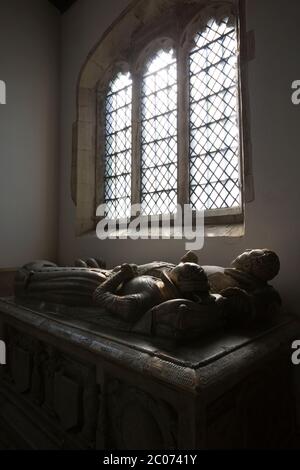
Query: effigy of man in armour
[{"x": 161, "y": 293}]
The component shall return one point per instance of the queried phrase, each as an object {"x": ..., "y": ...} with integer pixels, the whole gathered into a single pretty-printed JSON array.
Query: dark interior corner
[{"x": 62, "y": 5}]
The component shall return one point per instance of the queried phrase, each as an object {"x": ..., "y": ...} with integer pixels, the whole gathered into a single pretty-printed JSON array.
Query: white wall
[
  {"x": 29, "y": 131},
  {"x": 272, "y": 219}
]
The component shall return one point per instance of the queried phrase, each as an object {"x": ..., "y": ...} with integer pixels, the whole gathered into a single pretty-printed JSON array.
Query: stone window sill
[{"x": 210, "y": 231}]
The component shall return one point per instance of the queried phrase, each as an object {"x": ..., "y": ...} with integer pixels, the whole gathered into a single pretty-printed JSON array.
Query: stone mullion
[
  {"x": 100, "y": 148},
  {"x": 183, "y": 126},
  {"x": 136, "y": 140}
]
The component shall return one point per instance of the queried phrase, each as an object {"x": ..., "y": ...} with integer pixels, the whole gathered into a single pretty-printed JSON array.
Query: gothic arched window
[
  {"x": 117, "y": 178},
  {"x": 214, "y": 119},
  {"x": 159, "y": 135},
  {"x": 169, "y": 113},
  {"x": 214, "y": 181}
]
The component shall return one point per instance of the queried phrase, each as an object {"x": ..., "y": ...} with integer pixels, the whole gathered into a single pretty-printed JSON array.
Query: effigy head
[
  {"x": 189, "y": 278},
  {"x": 263, "y": 264}
]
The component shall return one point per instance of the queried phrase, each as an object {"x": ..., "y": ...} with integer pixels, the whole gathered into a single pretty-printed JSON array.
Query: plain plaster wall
[
  {"x": 29, "y": 131},
  {"x": 272, "y": 219}
]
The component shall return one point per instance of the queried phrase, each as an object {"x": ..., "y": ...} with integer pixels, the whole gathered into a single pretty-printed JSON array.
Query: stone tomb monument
[{"x": 157, "y": 356}]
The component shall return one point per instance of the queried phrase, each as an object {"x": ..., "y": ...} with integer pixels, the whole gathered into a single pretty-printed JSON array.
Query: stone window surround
[{"x": 142, "y": 32}]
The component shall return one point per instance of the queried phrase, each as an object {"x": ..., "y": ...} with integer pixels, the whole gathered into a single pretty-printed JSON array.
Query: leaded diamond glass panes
[
  {"x": 117, "y": 179},
  {"x": 214, "y": 127},
  {"x": 159, "y": 135}
]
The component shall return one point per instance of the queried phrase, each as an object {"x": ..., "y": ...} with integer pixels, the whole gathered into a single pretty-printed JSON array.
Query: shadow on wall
[{"x": 7, "y": 283}]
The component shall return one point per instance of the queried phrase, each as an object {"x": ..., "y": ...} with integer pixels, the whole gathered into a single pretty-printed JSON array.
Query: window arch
[
  {"x": 214, "y": 125},
  {"x": 159, "y": 134},
  {"x": 184, "y": 139},
  {"x": 117, "y": 174}
]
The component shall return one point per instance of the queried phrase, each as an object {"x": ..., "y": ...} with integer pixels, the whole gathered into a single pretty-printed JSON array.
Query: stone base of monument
[{"x": 73, "y": 382}]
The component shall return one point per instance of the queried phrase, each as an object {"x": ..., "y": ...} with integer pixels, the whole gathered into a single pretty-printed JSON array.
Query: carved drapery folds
[{"x": 138, "y": 33}]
